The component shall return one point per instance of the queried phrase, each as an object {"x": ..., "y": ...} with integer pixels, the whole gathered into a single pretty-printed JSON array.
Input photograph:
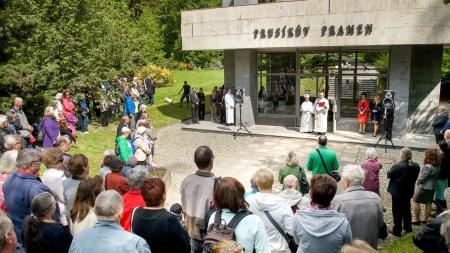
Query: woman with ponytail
[
  {"x": 403, "y": 176},
  {"x": 41, "y": 233}
]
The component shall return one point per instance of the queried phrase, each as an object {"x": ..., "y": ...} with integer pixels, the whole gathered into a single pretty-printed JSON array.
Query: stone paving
[{"x": 240, "y": 158}]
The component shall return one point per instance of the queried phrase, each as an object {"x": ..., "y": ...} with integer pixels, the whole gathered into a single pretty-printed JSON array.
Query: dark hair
[
  {"x": 322, "y": 140},
  {"x": 364, "y": 94},
  {"x": 229, "y": 194},
  {"x": 153, "y": 191},
  {"x": 443, "y": 145},
  {"x": 203, "y": 157},
  {"x": 41, "y": 205},
  {"x": 432, "y": 157},
  {"x": 116, "y": 165},
  {"x": 323, "y": 188},
  {"x": 84, "y": 200},
  {"x": 77, "y": 163},
  {"x": 107, "y": 160}
]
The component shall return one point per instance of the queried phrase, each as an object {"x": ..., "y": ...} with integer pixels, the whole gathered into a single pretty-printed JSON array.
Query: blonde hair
[
  {"x": 6, "y": 227},
  {"x": 49, "y": 111},
  {"x": 227, "y": 246},
  {"x": 52, "y": 156},
  {"x": 264, "y": 179},
  {"x": 291, "y": 159},
  {"x": 359, "y": 246}
]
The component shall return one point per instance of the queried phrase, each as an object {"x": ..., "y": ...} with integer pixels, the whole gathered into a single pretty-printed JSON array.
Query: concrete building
[{"x": 277, "y": 52}]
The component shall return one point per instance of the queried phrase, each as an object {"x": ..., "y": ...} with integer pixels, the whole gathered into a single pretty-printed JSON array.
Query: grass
[
  {"x": 403, "y": 245},
  {"x": 100, "y": 138}
]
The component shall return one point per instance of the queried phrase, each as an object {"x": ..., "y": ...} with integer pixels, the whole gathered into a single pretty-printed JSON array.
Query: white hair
[
  {"x": 136, "y": 177},
  {"x": 143, "y": 106},
  {"x": 3, "y": 119},
  {"x": 109, "y": 152},
  {"x": 8, "y": 161},
  {"x": 355, "y": 174},
  {"x": 290, "y": 182},
  {"x": 371, "y": 153},
  {"x": 10, "y": 140},
  {"x": 108, "y": 205},
  {"x": 25, "y": 157}
]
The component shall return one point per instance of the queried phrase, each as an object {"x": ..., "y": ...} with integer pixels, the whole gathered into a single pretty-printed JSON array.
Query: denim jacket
[{"x": 108, "y": 236}]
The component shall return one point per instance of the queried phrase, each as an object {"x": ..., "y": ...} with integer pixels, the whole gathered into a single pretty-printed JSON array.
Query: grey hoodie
[{"x": 321, "y": 231}]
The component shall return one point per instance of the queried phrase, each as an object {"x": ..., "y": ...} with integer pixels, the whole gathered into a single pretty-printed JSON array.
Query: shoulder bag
[
  {"x": 304, "y": 184},
  {"x": 334, "y": 174},
  {"x": 293, "y": 246}
]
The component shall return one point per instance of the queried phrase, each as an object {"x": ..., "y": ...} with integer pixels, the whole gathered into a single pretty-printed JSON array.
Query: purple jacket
[
  {"x": 372, "y": 169},
  {"x": 51, "y": 131}
]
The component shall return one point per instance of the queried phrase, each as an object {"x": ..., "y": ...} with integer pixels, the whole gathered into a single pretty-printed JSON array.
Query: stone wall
[
  {"x": 424, "y": 88},
  {"x": 317, "y": 23}
]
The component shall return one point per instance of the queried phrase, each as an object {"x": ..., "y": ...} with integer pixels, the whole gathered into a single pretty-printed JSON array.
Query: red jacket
[
  {"x": 115, "y": 181},
  {"x": 131, "y": 200}
]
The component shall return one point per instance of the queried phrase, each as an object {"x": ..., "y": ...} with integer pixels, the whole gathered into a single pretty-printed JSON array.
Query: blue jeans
[
  {"x": 196, "y": 246},
  {"x": 84, "y": 123},
  {"x": 151, "y": 99}
]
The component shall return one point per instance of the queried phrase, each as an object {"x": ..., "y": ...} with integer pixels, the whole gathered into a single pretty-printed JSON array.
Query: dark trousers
[
  {"x": 201, "y": 111},
  {"x": 388, "y": 127},
  {"x": 104, "y": 117},
  {"x": 196, "y": 246},
  {"x": 182, "y": 98},
  {"x": 401, "y": 212},
  {"x": 194, "y": 110},
  {"x": 439, "y": 137}
]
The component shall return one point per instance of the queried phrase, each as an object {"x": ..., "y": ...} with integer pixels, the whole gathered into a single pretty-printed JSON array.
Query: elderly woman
[
  {"x": 41, "y": 233},
  {"x": 142, "y": 114},
  {"x": 69, "y": 112},
  {"x": 320, "y": 228},
  {"x": 50, "y": 128},
  {"x": 124, "y": 145},
  {"x": 82, "y": 214},
  {"x": 133, "y": 198},
  {"x": 8, "y": 238},
  {"x": 13, "y": 142},
  {"x": 58, "y": 108},
  {"x": 79, "y": 169},
  {"x": 142, "y": 147},
  {"x": 402, "y": 177},
  {"x": 54, "y": 177},
  {"x": 291, "y": 168},
  {"x": 160, "y": 228},
  {"x": 250, "y": 231},
  {"x": 426, "y": 184},
  {"x": 114, "y": 180},
  {"x": 292, "y": 196},
  {"x": 7, "y": 167},
  {"x": 372, "y": 169}
]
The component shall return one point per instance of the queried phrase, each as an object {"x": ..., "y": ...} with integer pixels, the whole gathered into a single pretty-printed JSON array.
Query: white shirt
[
  {"x": 88, "y": 222},
  {"x": 54, "y": 178}
]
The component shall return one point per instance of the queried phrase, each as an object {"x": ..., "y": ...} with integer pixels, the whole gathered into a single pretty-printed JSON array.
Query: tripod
[
  {"x": 384, "y": 135},
  {"x": 241, "y": 127}
]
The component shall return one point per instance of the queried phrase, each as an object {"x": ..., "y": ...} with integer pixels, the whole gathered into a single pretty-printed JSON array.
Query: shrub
[{"x": 161, "y": 76}]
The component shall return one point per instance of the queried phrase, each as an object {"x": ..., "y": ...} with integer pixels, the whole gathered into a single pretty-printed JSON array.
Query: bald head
[
  {"x": 441, "y": 109},
  {"x": 322, "y": 140}
]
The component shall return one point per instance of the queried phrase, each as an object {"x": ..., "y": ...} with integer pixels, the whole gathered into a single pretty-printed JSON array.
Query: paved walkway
[
  {"x": 242, "y": 157},
  {"x": 412, "y": 140}
]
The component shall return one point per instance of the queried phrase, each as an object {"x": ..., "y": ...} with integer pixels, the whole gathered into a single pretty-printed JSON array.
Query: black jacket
[
  {"x": 429, "y": 239},
  {"x": 403, "y": 179},
  {"x": 439, "y": 122}
]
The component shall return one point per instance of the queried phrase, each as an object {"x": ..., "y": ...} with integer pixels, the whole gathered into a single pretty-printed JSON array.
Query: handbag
[
  {"x": 334, "y": 174},
  {"x": 304, "y": 185},
  {"x": 293, "y": 246}
]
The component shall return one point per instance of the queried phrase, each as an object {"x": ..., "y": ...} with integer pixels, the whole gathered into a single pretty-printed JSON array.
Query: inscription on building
[{"x": 303, "y": 31}]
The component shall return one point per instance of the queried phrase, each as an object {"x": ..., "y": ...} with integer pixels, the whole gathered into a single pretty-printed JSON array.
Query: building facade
[{"x": 277, "y": 52}]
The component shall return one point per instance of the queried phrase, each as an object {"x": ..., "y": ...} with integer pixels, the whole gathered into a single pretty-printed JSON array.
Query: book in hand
[{"x": 321, "y": 104}]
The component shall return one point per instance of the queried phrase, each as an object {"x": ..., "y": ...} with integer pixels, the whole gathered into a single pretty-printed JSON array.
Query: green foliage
[
  {"x": 446, "y": 63},
  {"x": 56, "y": 45},
  {"x": 161, "y": 76}
]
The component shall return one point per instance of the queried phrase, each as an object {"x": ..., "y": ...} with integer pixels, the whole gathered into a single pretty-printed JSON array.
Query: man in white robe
[
  {"x": 321, "y": 106},
  {"x": 307, "y": 109},
  {"x": 229, "y": 107}
]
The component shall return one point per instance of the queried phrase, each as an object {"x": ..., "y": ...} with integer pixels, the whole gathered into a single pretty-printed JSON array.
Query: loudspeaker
[
  {"x": 239, "y": 96},
  {"x": 389, "y": 94},
  {"x": 388, "y": 99}
]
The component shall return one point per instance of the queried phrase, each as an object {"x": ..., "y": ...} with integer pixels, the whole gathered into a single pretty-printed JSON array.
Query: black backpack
[{"x": 218, "y": 231}]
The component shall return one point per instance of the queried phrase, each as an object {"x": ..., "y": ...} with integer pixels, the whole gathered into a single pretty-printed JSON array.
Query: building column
[
  {"x": 246, "y": 77},
  {"x": 229, "y": 68},
  {"x": 399, "y": 80},
  {"x": 425, "y": 87}
]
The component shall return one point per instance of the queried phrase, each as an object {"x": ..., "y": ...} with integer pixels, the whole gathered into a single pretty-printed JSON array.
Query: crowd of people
[{"x": 68, "y": 210}]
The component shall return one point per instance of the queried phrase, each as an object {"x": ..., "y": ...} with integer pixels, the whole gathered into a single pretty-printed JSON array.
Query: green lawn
[
  {"x": 402, "y": 245},
  {"x": 100, "y": 139}
]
